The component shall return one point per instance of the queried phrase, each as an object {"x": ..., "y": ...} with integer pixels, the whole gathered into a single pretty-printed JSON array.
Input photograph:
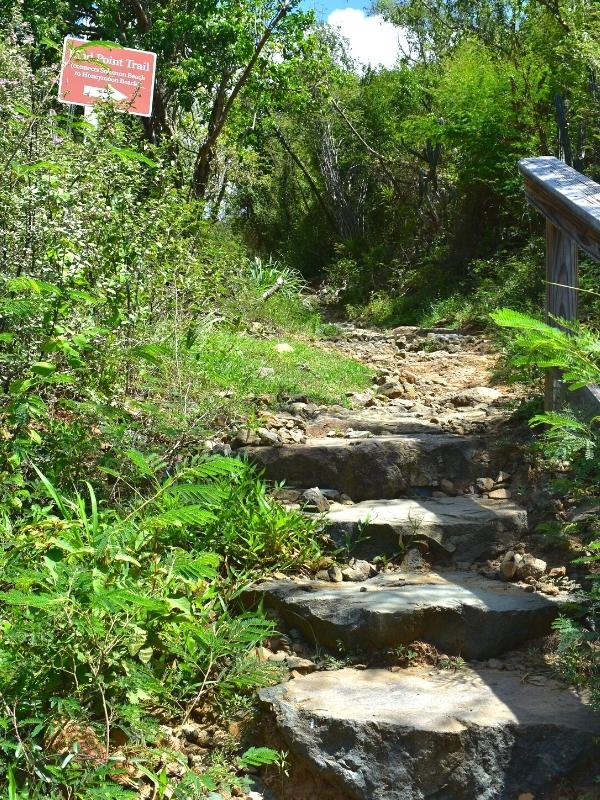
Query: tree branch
[{"x": 309, "y": 179}]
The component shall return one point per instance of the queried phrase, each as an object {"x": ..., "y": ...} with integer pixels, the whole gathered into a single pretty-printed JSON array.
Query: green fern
[
  {"x": 204, "y": 494},
  {"x": 571, "y": 348}
]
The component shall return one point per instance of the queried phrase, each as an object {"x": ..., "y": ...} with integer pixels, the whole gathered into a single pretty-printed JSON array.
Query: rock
[
  {"x": 484, "y": 484},
  {"x": 460, "y": 613},
  {"x": 196, "y": 734},
  {"x": 499, "y": 494},
  {"x": 217, "y": 448},
  {"x": 391, "y": 389},
  {"x": 350, "y": 574},
  {"x": 495, "y": 663},
  {"x": 557, "y": 572},
  {"x": 366, "y": 569},
  {"x": 283, "y": 347},
  {"x": 503, "y": 477},
  {"x": 361, "y": 398},
  {"x": 530, "y": 567},
  {"x": 267, "y": 437},
  {"x": 265, "y": 372},
  {"x": 411, "y": 735},
  {"x": 335, "y": 574},
  {"x": 381, "y": 421},
  {"x": 479, "y": 394},
  {"x": 468, "y": 525},
  {"x": 358, "y": 570},
  {"x": 352, "y": 434},
  {"x": 175, "y": 770},
  {"x": 314, "y": 498},
  {"x": 413, "y": 561},
  {"x": 322, "y": 575},
  {"x": 304, "y": 665},
  {"x": 549, "y": 589},
  {"x": 279, "y": 657},
  {"x": 508, "y": 566},
  {"x": 585, "y": 512},
  {"x": 245, "y": 437},
  {"x": 380, "y": 467},
  {"x": 287, "y": 495},
  {"x": 263, "y": 653}
]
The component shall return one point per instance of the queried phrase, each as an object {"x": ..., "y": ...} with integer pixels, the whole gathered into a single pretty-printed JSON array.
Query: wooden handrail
[{"x": 570, "y": 202}]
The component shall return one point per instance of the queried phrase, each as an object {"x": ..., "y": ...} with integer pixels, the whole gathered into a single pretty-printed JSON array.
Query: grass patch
[
  {"x": 225, "y": 370},
  {"x": 234, "y": 361}
]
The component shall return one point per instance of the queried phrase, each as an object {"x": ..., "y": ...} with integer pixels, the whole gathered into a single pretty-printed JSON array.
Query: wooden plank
[
  {"x": 585, "y": 400},
  {"x": 562, "y": 279},
  {"x": 561, "y": 297},
  {"x": 570, "y": 200}
]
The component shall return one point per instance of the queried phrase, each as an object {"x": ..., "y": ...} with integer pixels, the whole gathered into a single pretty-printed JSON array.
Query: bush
[
  {"x": 125, "y": 617},
  {"x": 568, "y": 439}
]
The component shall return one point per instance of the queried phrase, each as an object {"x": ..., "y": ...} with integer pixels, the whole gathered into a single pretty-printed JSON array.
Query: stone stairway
[{"x": 482, "y": 731}]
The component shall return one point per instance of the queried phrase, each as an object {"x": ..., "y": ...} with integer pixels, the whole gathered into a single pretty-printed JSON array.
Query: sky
[{"x": 372, "y": 40}]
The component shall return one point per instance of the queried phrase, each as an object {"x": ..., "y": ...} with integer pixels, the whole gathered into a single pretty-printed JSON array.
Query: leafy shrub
[
  {"x": 567, "y": 437},
  {"x": 124, "y": 616}
]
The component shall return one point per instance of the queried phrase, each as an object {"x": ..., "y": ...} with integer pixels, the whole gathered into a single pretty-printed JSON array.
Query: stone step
[
  {"x": 375, "y": 421},
  {"x": 419, "y": 733},
  {"x": 383, "y": 466},
  {"x": 460, "y": 613},
  {"x": 467, "y": 528}
]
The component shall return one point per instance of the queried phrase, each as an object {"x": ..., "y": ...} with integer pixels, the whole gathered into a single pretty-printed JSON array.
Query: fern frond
[
  {"x": 191, "y": 515},
  {"x": 218, "y": 467},
  {"x": 194, "y": 567},
  {"x": 199, "y": 493},
  {"x": 557, "y": 420}
]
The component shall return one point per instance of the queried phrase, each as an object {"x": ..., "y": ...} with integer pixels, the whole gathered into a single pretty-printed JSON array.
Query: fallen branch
[{"x": 275, "y": 288}]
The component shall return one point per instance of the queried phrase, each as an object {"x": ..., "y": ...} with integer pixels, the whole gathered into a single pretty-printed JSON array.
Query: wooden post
[
  {"x": 570, "y": 202},
  {"x": 561, "y": 294}
]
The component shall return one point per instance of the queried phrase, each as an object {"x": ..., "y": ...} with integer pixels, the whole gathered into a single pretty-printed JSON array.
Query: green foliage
[
  {"x": 569, "y": 440},
  {"x": 428, "y": 295},
  {"x": 573, "y": 349},
  {"x": 124, "y": 615}
]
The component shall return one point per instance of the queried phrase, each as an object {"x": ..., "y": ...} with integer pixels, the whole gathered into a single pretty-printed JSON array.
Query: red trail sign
[{"x": 92, "y": 73}]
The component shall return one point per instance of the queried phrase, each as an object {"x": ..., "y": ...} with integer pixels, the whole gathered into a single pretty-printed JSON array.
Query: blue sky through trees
[
  {"x": 325, "y": 7},
  {"x": 372, "y": 41}
]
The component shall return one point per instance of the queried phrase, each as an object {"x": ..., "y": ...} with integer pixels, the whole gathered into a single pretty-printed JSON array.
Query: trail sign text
[{"x": 92, "y": 73}]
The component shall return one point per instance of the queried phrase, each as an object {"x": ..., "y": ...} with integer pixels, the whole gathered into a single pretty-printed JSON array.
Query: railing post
[{"x": 561, "y": 294}]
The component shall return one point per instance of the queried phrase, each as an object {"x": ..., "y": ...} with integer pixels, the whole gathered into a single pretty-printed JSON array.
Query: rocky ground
[{"x": 418, "y": 655}]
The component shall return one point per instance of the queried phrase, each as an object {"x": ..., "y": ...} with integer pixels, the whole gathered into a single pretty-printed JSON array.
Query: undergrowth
[
  {"x": 568, "y": 444},
  {"x": 130, "y": 619}
]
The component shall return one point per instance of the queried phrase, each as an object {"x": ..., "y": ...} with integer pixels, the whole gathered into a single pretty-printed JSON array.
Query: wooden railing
[{"x": 570, "y": 203}]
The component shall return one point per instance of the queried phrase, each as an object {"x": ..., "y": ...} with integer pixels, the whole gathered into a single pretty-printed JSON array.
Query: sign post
[{"x": 96, "y": 72}]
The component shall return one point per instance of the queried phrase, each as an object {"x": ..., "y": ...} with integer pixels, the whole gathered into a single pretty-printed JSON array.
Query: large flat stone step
[
  {"x": 466, "y": 527},
  {"x": 461, "y": 613},
  {"x": 376, "y": 421},
  {"x": 416, "y": 734},
  {"x": 382, "y": 466}
]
